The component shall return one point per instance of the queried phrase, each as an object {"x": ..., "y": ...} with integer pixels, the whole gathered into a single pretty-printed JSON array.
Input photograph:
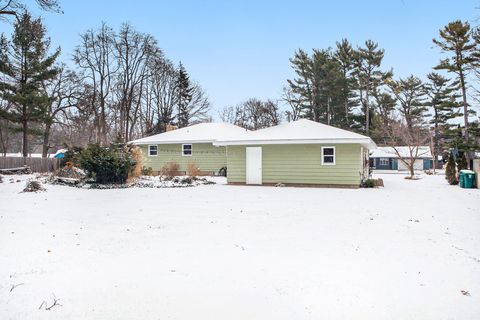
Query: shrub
[
  {"x": 451, "y": 171},
  {"x": 137, "y": 156},
  {"x": 222, "y": 172},
  {"x": 186, "y": 180},
  {"x": 107, "y": 164},
  {"x": 462, "y": 162},
  {"x": 72, "y": 155},
  {"x": 33, "y": 186},
  {"x": 192, "y": 170},
  {"x": 147, "y": 171},
  {"x": 369, "y": 183},
  {"x": 170, "y": 170}
]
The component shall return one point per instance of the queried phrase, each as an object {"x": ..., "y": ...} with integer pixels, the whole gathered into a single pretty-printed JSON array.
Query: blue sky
[{"x": 240, "y": 49}]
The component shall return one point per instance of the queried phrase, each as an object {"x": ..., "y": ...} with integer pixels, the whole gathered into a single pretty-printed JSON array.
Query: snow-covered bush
[
  {"x": 33, "y": 186},
  {"x": 107, "y": 164}
]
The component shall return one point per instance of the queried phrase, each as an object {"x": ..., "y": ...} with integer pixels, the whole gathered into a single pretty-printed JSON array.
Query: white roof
[
  {"x": 197, "y": 133},
  {"x": 302, "y": 131},
  {"x": 389, "y": 152}
]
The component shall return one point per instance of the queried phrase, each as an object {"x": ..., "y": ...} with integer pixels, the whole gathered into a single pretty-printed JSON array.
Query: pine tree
[
  {"x": 462, "y": 162},
  {"x": 184, "y": 91},
  {"x": 443, "y": 99},
  {"x": 455, "y": 39},
  {"x": 410, "y": 93},
  {"x": 451, "y": 171},
  {"x": 345, "y": 56},
  {"x": 24, "y": 65},
  {"x": 369, "y": 77}
]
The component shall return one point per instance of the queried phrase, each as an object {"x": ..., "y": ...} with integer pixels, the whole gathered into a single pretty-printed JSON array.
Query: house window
[
  {"x": 152, "y": 151},
  {"x": 328, "y": 156},
  {"x": 186, "y": 150},
  {"x": 384, "y": 161}
]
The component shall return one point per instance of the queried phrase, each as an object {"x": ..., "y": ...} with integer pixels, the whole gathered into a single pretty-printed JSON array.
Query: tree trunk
[
  {"x": 465, "y": 104},
  {"x": 46, "y": 138},
  {"x": 25, "y": 137}
]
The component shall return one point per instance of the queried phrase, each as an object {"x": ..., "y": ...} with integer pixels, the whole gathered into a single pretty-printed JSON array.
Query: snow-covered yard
[{"x": 230, "y": 252}]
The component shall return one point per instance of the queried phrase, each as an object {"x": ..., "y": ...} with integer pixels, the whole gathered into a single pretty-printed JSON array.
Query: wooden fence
[{"x": 35, "y": 164}]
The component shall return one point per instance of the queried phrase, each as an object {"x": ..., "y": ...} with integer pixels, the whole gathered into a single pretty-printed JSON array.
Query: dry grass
[
  {"x": 170, "y": 170},
  {"x": 137, "y": 155},
  {"x": 193, "y": 170}
]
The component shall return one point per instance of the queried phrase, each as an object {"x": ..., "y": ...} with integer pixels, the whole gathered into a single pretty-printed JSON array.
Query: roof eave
[
  {"x": 366, "y": 142},
  {"x": 137, "y": 142}
]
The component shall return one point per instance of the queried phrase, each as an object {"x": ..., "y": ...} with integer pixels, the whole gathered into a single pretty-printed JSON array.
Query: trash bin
[
  {"x": 462, "y": 178},
  {"x": 468, "y": 179}
]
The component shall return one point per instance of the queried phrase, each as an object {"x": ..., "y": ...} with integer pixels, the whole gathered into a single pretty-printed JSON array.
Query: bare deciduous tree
[{"x": 95, "y": 58}]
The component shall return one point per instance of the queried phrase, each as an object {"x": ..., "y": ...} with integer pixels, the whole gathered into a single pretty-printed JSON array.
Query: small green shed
[{"x": 303, "y": 153}]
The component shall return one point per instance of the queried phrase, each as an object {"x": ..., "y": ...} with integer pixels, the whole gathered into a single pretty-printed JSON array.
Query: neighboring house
[
  {"x": 302, "y": 152},
  {"x": 187, "y": 145},
  {"x": 385, "y": 158}
]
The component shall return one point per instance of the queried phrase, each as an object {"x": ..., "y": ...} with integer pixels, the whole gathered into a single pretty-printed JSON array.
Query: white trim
[
  {"x": 334, "y": 156},
  {"x": 152, "y": 155},
  {"x": 191, "y": 149},
  {"x": 365, "y": 142}
]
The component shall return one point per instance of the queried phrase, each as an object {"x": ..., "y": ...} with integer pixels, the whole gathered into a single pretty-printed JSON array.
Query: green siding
[
  {"x": 299, "y": 164},
  {"x": 206, "y": 156}
]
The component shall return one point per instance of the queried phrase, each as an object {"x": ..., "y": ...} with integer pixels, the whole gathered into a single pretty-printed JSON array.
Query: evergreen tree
[
  {"x": 455, "y": 39},
  {"x": 345, "y": 56},
  {"x": 443, "y": 99},
  {"x": 369, "y": 77},
  {"x": 24, "y": 65},
  {"x": 184, "y": 91},
  {"x": 451, "y": 171},
  {"x": 410, "y": 93},
  {"x": 462, "y": 162}
]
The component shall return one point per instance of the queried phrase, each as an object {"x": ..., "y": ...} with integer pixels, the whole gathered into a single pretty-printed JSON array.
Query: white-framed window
[
  {"x": 328, "y": 156},
  {"x": 187, "y": 150},
  {"x": 152, "y": 150},
  {"x": 384, "y": 161}
]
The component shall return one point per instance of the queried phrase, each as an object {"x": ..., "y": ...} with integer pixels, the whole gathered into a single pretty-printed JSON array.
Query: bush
[
  {"x": 186, "y": 180},
  {"x": 33, "y": 186},
  {"x": 137, "y": 156},
  {"x": 451, "y": 171},
  {"x": 107, "y": 164},
  {"x": 369, "y": 183},
  {"x": 147, "y": 171},
  {"x": 170, "y": 170},
  {"x": 462, "y": 162},
  {"x": 222, "y": 172},
  {"x": 72, "y": 155},
  {"x": 193, "y": 170}
]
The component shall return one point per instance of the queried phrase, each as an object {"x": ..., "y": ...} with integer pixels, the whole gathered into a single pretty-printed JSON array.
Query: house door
[{"x": 254, "y": 165}]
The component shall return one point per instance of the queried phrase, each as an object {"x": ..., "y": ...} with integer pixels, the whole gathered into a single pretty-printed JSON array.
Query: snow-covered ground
[{"x": 233, "y": 252}]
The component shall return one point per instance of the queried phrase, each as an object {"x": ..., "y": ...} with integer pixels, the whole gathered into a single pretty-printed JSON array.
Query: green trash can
[
  {"x": 462, "y": 178},
  {"x": 468, "y": 179}
]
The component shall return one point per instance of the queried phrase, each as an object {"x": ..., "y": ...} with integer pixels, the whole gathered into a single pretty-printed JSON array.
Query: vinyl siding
[
  {"x": 300, "y": 164},
  {"x": 206, "y": 156}
]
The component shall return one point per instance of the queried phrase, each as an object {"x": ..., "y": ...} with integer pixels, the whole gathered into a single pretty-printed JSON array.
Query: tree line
[
  {"x": 348, "y": 87},
  {"x": 119, "y": 86}
]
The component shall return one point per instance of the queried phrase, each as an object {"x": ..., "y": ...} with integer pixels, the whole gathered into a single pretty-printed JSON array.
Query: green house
[
  {"x": 302, "y": 153},
  {"x": 189, "y": 145}
]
